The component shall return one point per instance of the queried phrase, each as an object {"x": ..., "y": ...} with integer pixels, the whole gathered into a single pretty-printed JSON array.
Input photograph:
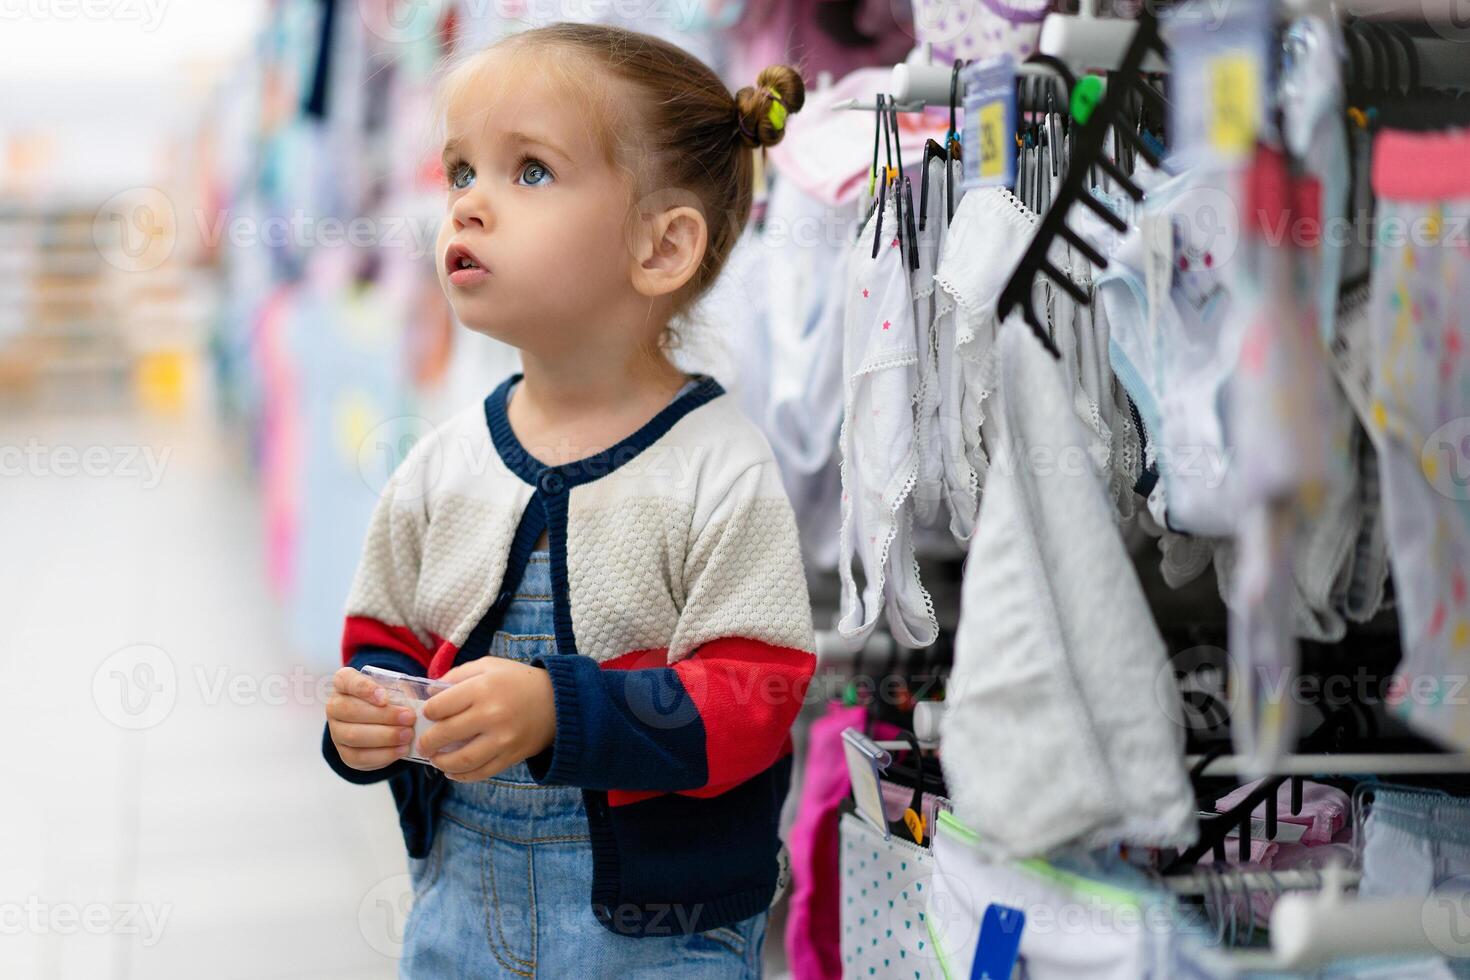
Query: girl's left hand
[{"x": 501, "y": 709}]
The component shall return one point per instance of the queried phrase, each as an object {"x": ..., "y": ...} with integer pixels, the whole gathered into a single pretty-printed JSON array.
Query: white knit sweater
[{"x": 690, "y": 539}]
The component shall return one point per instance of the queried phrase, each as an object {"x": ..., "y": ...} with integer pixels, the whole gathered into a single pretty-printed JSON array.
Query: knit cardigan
[{"x": 684, "y": 642}]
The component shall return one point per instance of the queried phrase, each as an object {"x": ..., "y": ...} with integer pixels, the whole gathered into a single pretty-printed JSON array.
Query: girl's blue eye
[
  {"x": 459, "y": 176},
  {"x": 535, "y": 174}
]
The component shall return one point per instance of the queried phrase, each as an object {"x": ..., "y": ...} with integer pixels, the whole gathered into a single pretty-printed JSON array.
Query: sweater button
[{"x": 553, "y": 482}]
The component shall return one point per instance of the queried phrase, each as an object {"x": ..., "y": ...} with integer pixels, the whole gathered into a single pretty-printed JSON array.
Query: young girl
[{"x": 601, "y": 557}]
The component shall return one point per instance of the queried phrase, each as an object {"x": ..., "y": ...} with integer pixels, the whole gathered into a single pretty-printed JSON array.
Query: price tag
[
  {"x": 1219, "y": 81},
  {"x": 992, "y": 140},
  {"x": 865, "y": 763},
  {"x": 1235, "y": 102},
  {"x": 990, "y": 123},
  {"x": 999, "y": 945}
]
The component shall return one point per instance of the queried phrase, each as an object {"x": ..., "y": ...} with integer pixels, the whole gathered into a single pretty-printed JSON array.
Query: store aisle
[{"x": 167, "y": 809}]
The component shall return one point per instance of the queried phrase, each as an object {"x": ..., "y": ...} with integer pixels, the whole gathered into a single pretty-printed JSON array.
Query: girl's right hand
[{"x": 369, "y": 732}]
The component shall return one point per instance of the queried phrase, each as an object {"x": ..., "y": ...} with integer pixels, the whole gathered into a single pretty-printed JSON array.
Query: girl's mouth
[{"x": 463, "y": 267}]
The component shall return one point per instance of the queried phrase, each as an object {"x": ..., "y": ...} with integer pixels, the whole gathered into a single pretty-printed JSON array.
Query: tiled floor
[{"x": 167, "y": 813}]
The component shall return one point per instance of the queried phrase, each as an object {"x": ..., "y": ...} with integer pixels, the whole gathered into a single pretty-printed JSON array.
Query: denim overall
[{"x": 505, "y": 890}]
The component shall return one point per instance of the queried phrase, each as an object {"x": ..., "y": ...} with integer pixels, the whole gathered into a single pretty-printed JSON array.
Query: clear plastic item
[{"x": 409, "y": 691}]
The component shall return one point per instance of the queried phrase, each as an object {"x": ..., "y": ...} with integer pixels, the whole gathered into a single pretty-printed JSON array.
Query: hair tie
[
  {"x": 777, "y": 113},
  {"x": 740, "y": 125}
]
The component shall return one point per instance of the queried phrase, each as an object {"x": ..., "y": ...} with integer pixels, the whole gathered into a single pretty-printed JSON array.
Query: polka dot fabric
[
  {"x": 973, "y": 29},
  {"x": 885, "y": 887}
]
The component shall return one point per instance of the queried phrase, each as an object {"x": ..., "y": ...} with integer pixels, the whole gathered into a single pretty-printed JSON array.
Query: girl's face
[{"x": 535, "y": 205}]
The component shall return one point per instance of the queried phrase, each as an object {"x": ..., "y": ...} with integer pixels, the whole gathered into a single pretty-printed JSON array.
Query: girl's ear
[{"x": 669, "y": 249}]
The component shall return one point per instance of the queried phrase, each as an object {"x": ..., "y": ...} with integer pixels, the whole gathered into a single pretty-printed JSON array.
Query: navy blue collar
[{"x": 530, "y": 469}]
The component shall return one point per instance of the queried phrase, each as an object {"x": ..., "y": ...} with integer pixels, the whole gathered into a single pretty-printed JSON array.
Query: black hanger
[
  {"x": 1357, "y": 62},
  {"x": 952, "y": 139},
  {"x": 1411, "y": 56},
  {"x": 1058, "y": 120},
  {"x": 932, "y": 151},
  {"x": 908, "y": 199},
  {"x": 952, "y": 136},
  {"x": 882, "y": 196},
  {"x": 1393, "y": 49},
  {"x": 916, "y": 802},
  {"x": 1086, "y": 151},
  {"x": 906, "y": 220},
  {"x": 1380, "y": 58}
]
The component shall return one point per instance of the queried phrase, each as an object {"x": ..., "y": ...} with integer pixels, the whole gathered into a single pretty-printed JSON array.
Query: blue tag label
[{"x": 1000, "y": 943}]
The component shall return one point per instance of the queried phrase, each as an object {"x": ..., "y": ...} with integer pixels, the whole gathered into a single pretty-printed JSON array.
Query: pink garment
[
  {"x": 829, "y": 153},
  {"x": 1325, "y": 814},
  {"x": 1324, "y": 809},
  {"x": 896, "y": 799},
  {"x": 813, "y": 922}
]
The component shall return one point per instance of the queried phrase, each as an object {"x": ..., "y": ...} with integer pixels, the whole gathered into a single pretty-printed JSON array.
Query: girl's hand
[
  {"x": 369, "y": 732},
  {"x": 502, "y": 709}
]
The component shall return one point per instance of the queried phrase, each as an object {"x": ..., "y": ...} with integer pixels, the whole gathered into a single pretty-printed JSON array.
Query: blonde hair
[{"x": 685, "y": 132}]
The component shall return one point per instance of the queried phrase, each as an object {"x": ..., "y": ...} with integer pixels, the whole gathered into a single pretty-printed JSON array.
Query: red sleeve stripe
[
  {"x": 748, "y": 694},
  {"x": 363, "y": 631}
]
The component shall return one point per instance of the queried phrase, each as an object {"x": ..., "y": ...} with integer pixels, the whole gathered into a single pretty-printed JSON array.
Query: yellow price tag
[
  {"x": 992, "y": 139},
  {"x": 1234, "y": 103}
]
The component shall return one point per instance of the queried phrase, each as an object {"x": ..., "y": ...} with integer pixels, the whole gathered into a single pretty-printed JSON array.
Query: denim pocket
[
  {"x": 521, "y": 647},
  {"x": 509, "y": 898},
  {"x": 727, "y": 936}
]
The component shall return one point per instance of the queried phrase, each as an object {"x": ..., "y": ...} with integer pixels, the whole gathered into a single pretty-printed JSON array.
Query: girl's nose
[{"x": 471, "y": 209}]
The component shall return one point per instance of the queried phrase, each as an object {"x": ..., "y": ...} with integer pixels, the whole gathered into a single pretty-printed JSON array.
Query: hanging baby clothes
[
  {"x": 1281, "y": 417},
  {"x": 1414, "y": 843},
  {"x": 1421, "y": 403},
  {"x": 879, "y": 459},
  {"x": 1085, "y": 365},
  {"x": 1352, "y": 362},
  {"x": 1057, "y": 656},
  {"x": 1170, "y": 346},
  {"x": 986, "y": 239},
  {"x": 883, "y": 903},
  {"x": 928, "y": 491},
  {"x": 1095, "y": 353},
  {"x": 1001, "y": 919}
]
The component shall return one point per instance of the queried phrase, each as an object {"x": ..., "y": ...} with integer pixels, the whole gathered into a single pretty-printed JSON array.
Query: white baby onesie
[
  {"x": 1057, "y": 656},
  {"x": 879, "y": 458},
  {"x": 1174, "y": 346},
  {"x": 928, "y": 491},
  {"x": 986, "y": 239}
]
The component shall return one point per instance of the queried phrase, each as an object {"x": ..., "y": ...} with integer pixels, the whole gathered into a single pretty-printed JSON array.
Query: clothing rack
[
  {"x": 1379, "y": 59},
  {"x": 919, "y": 87},
  {"x": 1309, "y": 929},
  {"x": 1387, "y": 764},
  {"x": 1210, "y": 882},
  {"x": 1087, "y": 152}
]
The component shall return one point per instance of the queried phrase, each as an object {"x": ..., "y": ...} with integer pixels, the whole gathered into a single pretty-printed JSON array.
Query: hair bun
[{"x": 761, "y": 110}]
